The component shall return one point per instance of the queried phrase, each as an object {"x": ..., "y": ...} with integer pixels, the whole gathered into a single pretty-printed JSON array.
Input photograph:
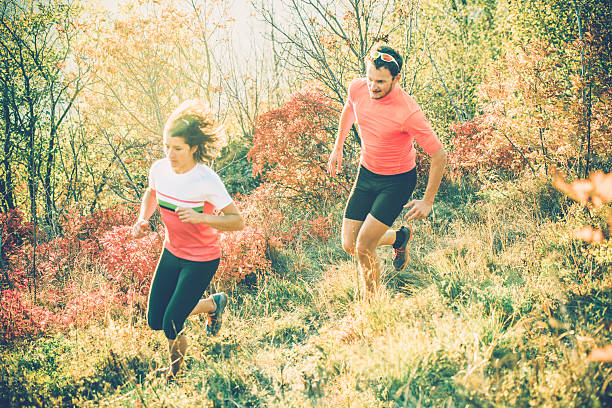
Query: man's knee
[
  {"x": 348, "y": 246},
  {"x": 365, "y": 249}
]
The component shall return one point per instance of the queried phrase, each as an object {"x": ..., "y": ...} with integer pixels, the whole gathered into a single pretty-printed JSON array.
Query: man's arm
[
  {"x": 347, "y": 118},
  {"x": 421, "y": 208}
]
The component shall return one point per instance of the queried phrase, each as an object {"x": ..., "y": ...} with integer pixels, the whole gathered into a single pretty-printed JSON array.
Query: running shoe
[
  {"x": 215, "y": 318},
  {"x": 400, "y": 255}
]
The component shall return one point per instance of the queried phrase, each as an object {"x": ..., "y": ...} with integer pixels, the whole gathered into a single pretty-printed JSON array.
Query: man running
[{"x": 389, "y": 120}]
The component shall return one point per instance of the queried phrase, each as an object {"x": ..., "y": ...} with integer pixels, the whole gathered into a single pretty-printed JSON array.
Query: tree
[
  {"x": 145, "y": 62},
  {"x": 580, "y": 31},
  {"x": 37, "y": 90},
  {"x": 548, "y": 99},
  {"x": 326, "y": 41}
]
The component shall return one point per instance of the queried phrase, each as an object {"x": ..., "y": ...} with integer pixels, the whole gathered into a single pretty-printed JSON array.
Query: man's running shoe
[
  {"x": 215, "y": 318},
  {"x": 400, "y": 256}
]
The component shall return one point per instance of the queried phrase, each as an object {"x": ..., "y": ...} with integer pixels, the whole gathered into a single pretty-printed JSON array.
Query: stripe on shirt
[
  {"x": 169, "y": 206},
  {"x": 177, "y": 199}
]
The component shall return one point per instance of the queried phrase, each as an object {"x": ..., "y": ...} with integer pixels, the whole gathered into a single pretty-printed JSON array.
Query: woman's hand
[
  {"x": 190, "y": 215},
  {"x": 139, "y": 229},
  {"x": 334, "y": 164}
]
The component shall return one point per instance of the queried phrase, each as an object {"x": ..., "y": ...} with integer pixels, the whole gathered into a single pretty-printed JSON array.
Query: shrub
[
  {"x": 20, "y": 319},
  {"x": 472, "y": 150},
  {"x": 291, "y": 146},
  {"x": 244, "y": 252},
  {"x": 130, "y": 263}
]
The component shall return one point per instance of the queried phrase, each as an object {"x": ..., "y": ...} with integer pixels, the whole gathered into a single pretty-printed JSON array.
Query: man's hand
[
  {"x": 189, "y": 215},
  {"x": 334, "y": 165},
  {"x": 420, "y": 209},
  {"x": 140, "y": 228}
]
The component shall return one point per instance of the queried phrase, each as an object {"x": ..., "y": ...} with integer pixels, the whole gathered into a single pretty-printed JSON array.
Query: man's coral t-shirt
[{"x": 387, "y": 127}]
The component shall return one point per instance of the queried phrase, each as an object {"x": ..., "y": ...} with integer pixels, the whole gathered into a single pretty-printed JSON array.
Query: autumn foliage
[
  {"x": 536, "y": 115},
  {"x": 595, "y": 193},
  {"x": 473, "y": 150},
  {"x": 81, "y": 277},
  {"x": 270, "y": 229},
  {"x": 291, "y": 146},
  {"x": 95, "y": 271}
]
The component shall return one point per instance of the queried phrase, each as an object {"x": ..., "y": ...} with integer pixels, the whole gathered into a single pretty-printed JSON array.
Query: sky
[{"x": 246, "y": 26}]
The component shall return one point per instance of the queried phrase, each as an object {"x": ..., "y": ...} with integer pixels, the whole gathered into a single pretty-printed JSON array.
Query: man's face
[{"x": 380, "y": 81}]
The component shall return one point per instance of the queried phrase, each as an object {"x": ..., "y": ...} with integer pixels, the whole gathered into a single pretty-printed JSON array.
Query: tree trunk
[
  {"x": 6, "y": 185},
  {"x": 586, "y": 101}
]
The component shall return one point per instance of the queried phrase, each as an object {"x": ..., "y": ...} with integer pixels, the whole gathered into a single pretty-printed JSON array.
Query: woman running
[{"x": 187, "y": 192}]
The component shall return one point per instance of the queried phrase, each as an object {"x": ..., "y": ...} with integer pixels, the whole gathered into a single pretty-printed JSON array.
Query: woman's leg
[
  {"x": 177, "y": 349},
  {"x": 204, "y": 306},
  {"x": 193, "y": 280},
  {"x": 162, "y": 287}
]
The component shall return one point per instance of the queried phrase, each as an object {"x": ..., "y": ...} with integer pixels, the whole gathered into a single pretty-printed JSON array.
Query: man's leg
[
  {"x": 372, "y": 234},
  {"x": 377, "y": 200},
  {"x": 353, "y": 231},
  {"x": 350, "y": 230}
]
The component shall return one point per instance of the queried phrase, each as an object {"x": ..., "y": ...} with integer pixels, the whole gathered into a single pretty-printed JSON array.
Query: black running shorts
[{"x": 382, "y": 196}]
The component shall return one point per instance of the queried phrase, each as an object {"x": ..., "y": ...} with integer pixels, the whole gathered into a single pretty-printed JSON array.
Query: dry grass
[{"x": 497, "y": 308}]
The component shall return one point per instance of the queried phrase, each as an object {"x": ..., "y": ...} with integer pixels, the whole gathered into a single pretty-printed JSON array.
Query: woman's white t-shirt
[{"x": 200, "y": 189}]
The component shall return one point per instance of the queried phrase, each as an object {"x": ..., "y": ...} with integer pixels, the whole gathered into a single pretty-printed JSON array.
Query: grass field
[{"x": 498, "y": 307}]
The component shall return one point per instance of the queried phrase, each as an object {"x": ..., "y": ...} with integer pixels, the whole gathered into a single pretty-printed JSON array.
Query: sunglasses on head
[{"x": 384, "y": 57}]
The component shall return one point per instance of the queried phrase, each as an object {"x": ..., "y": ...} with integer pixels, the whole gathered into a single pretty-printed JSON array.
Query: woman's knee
[
  {"x": 172, "y": 327},
  {"x": 154, "y": 322}
]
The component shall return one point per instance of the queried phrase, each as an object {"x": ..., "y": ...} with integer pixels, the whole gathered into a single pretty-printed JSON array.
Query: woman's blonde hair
[{"x": 194, "y": 121}]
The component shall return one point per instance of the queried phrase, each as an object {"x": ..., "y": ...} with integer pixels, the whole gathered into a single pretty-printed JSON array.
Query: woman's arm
[
  {"x": 231, "y": 220},
  {"x": 147, "y": 208}
]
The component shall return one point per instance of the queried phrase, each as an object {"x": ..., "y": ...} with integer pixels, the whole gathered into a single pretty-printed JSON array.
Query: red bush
[
  {"x": 88, "y": 307},
  {"x": 244, "y": 252},
  {"x": 474, "y": 149},
  {"x": 20, "y": 319},
  {"x": 291, "y": 146},
  {"x": 48, "y": 296},
  {"x": 261, "y": 210},
  {"x": 15, "y": 231},
  {"x": 317, "y": 230},
  {"x": 130, "y": 263}
]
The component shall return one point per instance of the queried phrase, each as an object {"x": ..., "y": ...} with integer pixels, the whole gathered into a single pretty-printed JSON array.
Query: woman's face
[{"x": 179, "y": 153}]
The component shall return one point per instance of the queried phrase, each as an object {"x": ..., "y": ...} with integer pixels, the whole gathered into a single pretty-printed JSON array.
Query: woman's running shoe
[{"x": 215, "y": 318}]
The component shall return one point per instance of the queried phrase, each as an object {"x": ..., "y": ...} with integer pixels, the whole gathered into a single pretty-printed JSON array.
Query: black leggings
[{"x": 177, "y": 286}]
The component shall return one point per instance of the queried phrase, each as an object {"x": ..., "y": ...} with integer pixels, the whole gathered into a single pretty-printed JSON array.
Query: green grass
[{"x": 498, "y": 307}]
